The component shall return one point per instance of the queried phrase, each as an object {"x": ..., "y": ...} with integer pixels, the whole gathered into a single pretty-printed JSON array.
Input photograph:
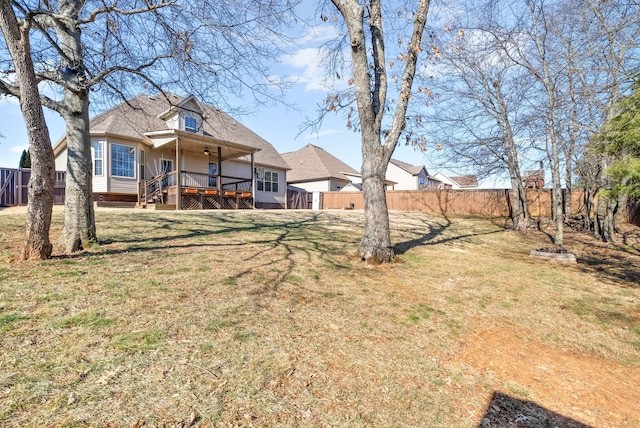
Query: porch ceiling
[{"x": 196, "y": 143}]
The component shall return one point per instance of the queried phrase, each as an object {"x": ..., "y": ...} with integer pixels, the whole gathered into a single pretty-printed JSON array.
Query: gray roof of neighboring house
[
  {"x": 466, "y": 180},
  {"x": 411, "y": 169},
  {"x": 314, "y": 163},
  {"x": 142, "y": 113}
]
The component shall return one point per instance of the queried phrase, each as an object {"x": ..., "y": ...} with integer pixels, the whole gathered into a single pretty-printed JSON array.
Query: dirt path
[{"x": 593, "y": 391}]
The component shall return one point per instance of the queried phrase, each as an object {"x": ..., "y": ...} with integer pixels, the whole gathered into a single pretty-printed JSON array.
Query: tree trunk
[
  {"x": 42, "y": 180},
  {"x": 520, "y": 212},
  {"x": 375, "y": 246},
  {"x": 621, "y": 212},
  {"x": 557, "y": 203},
  {"x": 604, "y": 218},
  {"x": 598, "y": 217},
  {"x": 568, "y": 203},
  {"x": 79, "y": 220},
  {"x": 609, "y": 231},
  {"x": 519, "y": 215},
  {"x": 588, "y": 209}
]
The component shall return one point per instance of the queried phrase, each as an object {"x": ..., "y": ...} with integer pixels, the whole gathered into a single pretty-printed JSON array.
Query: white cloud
[
  {"x": 310, "y": 70},
  {"x": 320, "y": 134},
  {"x": 319, "y": 34}
]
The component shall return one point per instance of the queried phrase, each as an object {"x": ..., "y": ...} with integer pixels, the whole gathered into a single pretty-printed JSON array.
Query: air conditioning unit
[{"x": 259, "y": 173}]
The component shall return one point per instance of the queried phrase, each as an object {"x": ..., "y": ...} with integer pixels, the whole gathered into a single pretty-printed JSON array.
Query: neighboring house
[
  {"x": 410, "y": 177},
  {"x": 141, "y": 146},
  {"x": 316, "y": 170},
  {"x": 466, "y": 181},
  {"x": 533, "y": 179},
  {"x": 456, "y": 183},
  {"x": 352, "y": 187}
]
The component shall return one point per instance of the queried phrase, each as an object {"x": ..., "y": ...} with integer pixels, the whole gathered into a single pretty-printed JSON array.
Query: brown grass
[{"x": 263, "y": 318}]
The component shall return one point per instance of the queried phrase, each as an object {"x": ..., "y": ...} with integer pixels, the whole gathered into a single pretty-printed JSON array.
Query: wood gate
[
  {"x": 14, "y": 190},
  {"x": 299, "y": 200}
]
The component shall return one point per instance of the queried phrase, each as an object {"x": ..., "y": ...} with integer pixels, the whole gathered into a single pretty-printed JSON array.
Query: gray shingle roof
[
  {"x": 466, "y": 180},
  {"x": 314, "y": 163},
  {"x": 411, "y": 169},
  {"x": 142, "y": 114}
]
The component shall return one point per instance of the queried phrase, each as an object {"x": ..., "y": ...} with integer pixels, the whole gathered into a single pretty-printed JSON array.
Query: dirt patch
[{"x": 593, "y": 391}]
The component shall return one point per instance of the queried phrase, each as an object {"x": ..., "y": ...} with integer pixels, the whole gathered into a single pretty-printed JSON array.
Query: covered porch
[{"x": 196, "y": 177}]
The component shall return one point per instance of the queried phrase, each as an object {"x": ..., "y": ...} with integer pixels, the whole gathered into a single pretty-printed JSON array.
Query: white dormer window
[{"x": 190, "y": 124}]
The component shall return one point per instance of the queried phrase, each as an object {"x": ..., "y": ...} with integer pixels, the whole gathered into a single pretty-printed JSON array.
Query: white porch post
[
  {"x": 220, "y": 176},
  {"x": 178, "y": 184},
  {"x": 253, "y": 180}
]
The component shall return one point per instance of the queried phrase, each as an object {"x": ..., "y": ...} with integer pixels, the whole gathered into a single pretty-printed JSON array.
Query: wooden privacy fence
[
  {"x": 489, "y": 203},
  {"x": 633, "y": 212},
  {"x": 14, "y": 190}
]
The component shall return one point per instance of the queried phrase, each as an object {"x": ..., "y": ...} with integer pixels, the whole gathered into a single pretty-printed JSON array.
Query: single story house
[
  {"x": 457, "y": 183},
  {"x": 182, "y": 153},
  {"x": 316, "y": 170}
]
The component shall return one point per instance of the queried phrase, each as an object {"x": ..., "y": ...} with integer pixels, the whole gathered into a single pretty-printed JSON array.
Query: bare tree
[
  {"x": 368, "y": 44},
  {"x": 478, "y": 111},
  {"x": 119, "y": 48},
  {"x": 42, "y": 180}
]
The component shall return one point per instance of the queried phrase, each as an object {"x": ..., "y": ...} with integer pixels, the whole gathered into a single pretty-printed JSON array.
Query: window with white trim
[
  {"x": 190, "y": 124},
  {"x": 123, "y": 161},
  {"x": 97, "y": 157},
  {"x": 269, "y": 183}
]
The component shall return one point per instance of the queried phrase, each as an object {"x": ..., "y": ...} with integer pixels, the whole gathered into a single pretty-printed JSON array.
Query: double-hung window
[
  {"x": 123, "y": 161},
  {"x": 190, "y": 124},
  {"x": 269, "y": 183},
  {"x": 97, "y": 157}
]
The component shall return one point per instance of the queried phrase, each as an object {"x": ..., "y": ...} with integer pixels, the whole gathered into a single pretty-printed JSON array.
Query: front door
[
  {"x": 213, "y": 170},
  {"x": 167, "y": 167}
]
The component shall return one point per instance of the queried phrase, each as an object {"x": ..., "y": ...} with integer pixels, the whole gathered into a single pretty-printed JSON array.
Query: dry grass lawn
[{"x": 263, "y": 318}]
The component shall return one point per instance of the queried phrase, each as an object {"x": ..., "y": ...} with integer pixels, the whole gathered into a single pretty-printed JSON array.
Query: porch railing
[{"x": 156, "y": 189}]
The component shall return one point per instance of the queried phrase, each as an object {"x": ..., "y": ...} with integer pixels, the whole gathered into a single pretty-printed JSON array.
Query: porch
[
  {"x": 197, "y": 191},
  {"x": 183, "y": 181}
]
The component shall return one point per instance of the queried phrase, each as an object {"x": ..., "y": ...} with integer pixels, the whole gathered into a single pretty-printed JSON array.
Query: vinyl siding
[
  {"x": 61, "y": 161},
  {"x": 403, "y": 179},
  {"x": 314, "y": 186}
]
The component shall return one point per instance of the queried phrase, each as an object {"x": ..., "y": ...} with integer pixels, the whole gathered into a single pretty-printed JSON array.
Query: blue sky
[{"x": 280, "y": 125}]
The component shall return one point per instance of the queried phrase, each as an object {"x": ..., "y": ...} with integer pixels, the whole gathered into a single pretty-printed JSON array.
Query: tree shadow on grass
[
  {"x": 431, "y": 232},
  {"x": 607, "y": 261},
  {"x": 271, "y": 242},
  {"x": 424, "y": 234},
  {"x": 613, "y": 269},
  {"x": 507, "y": 411}
]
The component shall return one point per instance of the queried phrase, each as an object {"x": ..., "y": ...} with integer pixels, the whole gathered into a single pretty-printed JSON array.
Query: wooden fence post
[{"x": 18, "y": 188}]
